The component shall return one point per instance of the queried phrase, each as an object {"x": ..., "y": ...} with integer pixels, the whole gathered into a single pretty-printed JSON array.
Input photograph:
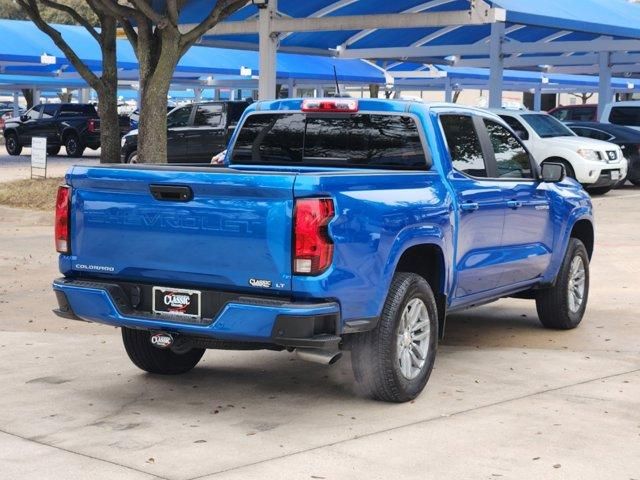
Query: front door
[
  {"x": 178, "y": 123},
  {"x": 30, "y": 125},
  {"x": 207, "y": 138},
  {"x": 527, "y": 238},
  {"x": 481, "y": 209}
]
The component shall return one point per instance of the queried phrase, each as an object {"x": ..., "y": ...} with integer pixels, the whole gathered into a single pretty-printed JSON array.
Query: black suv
[
  {"x": 74, "y": 125},
  {"x": 196, "y": 132}
]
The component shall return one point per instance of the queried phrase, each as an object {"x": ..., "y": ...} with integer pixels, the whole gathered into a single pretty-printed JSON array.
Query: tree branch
[
  {"x": 30, "y": 7},
  {"x": 74, "y": 15},
  {"x": 219, "y": 12},
  {"x": 148, "y": 11},
  {"x": 129, "y": 31},
  {"x": 113, "y": 7}
]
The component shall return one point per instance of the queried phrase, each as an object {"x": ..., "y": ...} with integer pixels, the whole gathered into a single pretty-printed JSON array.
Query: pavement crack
[{"x": 417, "y": 422}]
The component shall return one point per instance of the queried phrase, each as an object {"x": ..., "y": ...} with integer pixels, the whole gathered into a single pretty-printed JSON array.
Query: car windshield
[{"x": 547, "y": 126}]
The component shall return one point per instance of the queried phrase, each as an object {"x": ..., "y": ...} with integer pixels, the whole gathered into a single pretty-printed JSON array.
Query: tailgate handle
[{"x": 171, "y": 193}]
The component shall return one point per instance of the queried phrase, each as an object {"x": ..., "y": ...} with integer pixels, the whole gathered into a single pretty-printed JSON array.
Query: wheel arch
[{"x": 583, "y": 231}]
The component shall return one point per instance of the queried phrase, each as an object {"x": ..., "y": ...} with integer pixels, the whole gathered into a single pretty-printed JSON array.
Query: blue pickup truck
[{"x": 335, "y": 224}]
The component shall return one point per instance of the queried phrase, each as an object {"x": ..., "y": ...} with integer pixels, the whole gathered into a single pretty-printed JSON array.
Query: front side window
[
  {"x": 464, "y": 145},
  {"x": 34, "y": 113},
  {"x": 49, "y": 111},
  {"x": 517, "y": 127},
  {"x": 179, "y": 118},
  {"x": 356, "y": 141},
  {"x": 512, "y": 160},
  {"x": 208, "y": 116},
  {"x": 546, "y": 126}
]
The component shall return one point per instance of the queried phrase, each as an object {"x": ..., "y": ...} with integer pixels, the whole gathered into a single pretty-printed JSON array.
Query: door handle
[
  {"x": 469, "y": 206},
  {"x": 514, "y": 204}
]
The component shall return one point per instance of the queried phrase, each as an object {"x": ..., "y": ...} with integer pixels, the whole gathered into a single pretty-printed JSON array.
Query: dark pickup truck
[
  {"x": 195, "y": 133},
  {"x": 74, "y": 125}
]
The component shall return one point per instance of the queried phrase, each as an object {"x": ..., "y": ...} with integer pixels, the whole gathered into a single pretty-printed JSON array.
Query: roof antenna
[{"x": 335, "y": 76}]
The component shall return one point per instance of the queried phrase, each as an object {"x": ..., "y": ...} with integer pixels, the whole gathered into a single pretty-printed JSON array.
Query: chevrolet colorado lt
[{"x": 335, "y": 224}]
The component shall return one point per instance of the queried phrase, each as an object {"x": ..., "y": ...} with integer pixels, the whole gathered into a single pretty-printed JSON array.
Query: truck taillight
[
  {"x": 313, "y": 248},
  {"x": 92, "y": 125},
  {"x": 62, "y": 219}
]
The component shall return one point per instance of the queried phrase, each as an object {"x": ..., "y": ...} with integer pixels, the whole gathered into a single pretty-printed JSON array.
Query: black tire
[
  {"x": 132, "y": 157},
  {"x": 553, "y": 304},
  {"x": 73, "y": 145},
  {"x": 53, "y": 151},
  {"x": 599, "y": 190},
  {"x": 12, "y": 144},
  {"x": 157, "y": 360},
  {"x": 636, "y": 182},
  {"x": 375, "y": 354}
]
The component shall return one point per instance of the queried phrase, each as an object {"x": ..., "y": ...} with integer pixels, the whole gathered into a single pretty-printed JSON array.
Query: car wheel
[
  {"x": 132, "y": 157},
  {"x": 599, "y": 190},
  {"x": 73, "y": 146},
  {"x": 563, "y": 305},
  {"x": 12, "y": 144},
  {"x": 636, "y": 182},
  {"x": 152, "y": 359},
  {"x": 53, "y": 151},
  {"x": 393, "y": 362}
]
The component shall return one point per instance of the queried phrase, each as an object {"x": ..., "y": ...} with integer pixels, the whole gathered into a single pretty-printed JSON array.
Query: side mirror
[
  {"x": 23, "y": 118},
  {"x": 552, "y": 172}
]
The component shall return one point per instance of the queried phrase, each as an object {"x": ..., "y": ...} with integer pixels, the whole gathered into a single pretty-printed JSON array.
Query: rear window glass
[
  {"x": 625, "y": 116},
  {"x": 358, "y": 141},
  {"x": 78, "y": 111}
]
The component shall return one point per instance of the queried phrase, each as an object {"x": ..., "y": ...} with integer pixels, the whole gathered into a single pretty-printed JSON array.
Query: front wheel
[
  {"x": 12, "y": 144},
  {"x": 393, "y": 362},
  {"x": 152, "y": 359},
  {"x": 563, "y": 305},
  {"x": 132, "y": 157}
]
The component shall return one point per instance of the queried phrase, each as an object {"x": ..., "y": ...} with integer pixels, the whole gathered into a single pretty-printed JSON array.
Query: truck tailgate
[{"x": 235, "y": 232}]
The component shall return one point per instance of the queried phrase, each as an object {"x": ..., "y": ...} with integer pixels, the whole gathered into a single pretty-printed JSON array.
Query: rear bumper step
[{"x": 231, "y": 317}]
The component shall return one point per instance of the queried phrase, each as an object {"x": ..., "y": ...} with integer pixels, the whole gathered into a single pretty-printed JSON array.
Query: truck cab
[{"x": 335, "y": 224}]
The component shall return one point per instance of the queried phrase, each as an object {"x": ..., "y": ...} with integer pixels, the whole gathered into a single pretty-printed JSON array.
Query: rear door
[
  {"x": 481, "y": 204},
  {"x": 207, "y": 137},
  {"x": 233, "y": 227},
  {"x": 527, "y": 238}
]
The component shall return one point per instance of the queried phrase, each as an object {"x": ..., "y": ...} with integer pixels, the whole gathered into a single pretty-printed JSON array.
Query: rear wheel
[
  {"x": 73, "y": 145},
  {"x": 152, "y": 359},
  {"x": 563, "y": 305},
  {"x": 393, "y": 362},
  {"x": 12, "y": 144},
  {"x": 53, "y": 151}
]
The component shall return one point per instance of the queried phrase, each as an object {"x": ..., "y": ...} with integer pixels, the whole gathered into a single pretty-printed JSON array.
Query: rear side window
[
  {"x": 357, "y": 141},
  {"x": 625, "y": 116},
  {"x": 78, "y": 111},
  {"x": 512, "y": 160},
  {"x": 464, "y": 145},
  {"x": 208, "y": 115}
]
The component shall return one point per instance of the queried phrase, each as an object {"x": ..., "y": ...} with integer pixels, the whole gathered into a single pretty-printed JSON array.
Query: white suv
[
  {"x": 622, "y": 113},
  {"x": 597, "y": 165}
]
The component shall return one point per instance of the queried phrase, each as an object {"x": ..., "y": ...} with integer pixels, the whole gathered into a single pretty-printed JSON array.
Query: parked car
[
  {"x": 134, "y": 117},
  {"x": 578, "y": 113},
  {"x": 337, "y": 224},
  {"x": 72, "y": 125},
  {"x": 622, "y": 113},
  {"x": 195, "y": 133},
  {"x": 597, "y": 165},
  {"x": 628, "y": 139}
]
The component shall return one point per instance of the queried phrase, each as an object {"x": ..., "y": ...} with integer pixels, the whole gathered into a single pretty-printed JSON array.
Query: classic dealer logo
[{"x": 177, "y": 302}]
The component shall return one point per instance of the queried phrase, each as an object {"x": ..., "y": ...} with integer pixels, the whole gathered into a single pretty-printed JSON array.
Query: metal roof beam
[
  {"x": 413, "y": 52},
  {"x": 475, "y": 16},
  {"x": 598, "y": 45}
]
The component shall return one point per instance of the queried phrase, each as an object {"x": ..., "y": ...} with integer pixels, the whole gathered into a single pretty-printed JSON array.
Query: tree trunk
[
  {"x": 374, "y": 90},
  {"x": 152, "y": 135},
  {"x": 27, "y": 93},
  {"x": 108, "y": 95}
]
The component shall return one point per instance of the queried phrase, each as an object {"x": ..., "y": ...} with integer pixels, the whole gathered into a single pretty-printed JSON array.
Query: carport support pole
[
  {"x": 16, "y": 104},
  {"x": 448, "y": 90},
  {"x": 496, "y": 61},
  {"x": 268, "y": 45},
  {"x": 605, "y": 94},
  {"x": 197, "y": 93},
  {"x": 537, "y": 99}
]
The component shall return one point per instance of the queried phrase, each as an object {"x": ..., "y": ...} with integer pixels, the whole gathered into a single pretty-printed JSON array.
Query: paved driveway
[{"x": 507, "y": 399}]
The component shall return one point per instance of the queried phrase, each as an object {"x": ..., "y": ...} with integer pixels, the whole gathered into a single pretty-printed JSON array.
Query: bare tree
[
  {"x": 584, "y": 97},
  {"x": 159, "y": 44},
  {"x": 106, "y": 83}
]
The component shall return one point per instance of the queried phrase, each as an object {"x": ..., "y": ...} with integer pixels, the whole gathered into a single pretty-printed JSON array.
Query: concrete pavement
[{"x": 507, "y": 399}]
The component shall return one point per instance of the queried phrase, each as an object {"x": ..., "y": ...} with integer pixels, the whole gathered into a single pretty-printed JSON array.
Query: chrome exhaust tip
[{"x": 316, "y": 355}]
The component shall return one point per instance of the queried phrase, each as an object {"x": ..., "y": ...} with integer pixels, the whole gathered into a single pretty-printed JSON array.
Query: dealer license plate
[{"x": 176, "y": 301}]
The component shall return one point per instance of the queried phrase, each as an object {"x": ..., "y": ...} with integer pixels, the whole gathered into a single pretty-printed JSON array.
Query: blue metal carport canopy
[{"x": 22, "y": 56}]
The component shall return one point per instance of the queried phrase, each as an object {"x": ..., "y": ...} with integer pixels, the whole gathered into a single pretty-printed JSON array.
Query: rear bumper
[{"x": 243, "y": 319}]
